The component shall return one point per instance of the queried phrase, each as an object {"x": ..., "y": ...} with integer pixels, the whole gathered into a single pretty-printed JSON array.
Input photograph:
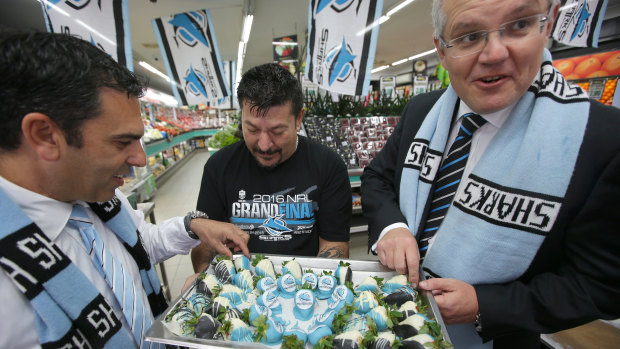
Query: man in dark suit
[{"x": 504, "y": 188}]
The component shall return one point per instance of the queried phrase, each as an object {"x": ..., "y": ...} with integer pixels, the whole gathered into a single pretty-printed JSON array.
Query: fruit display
[
  {"x": 597, "y": 68},
  {"x": 287, "y": 306},
  {"x": 589, "y": 66}
]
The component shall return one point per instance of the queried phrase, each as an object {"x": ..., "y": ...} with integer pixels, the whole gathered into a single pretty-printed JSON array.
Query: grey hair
[{"x": 439, "y": 17}]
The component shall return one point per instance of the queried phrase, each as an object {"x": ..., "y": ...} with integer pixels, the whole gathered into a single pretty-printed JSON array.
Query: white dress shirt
[
  {"x": 17, "y": 321},
  {"x": 479, "y": 143}
]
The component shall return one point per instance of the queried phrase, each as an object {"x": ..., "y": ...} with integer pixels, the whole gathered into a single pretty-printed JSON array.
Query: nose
[
  {"x": 264, "y": 141},
  {"x": 137, "y": 156},
  {"x": 494, "y": 50}
]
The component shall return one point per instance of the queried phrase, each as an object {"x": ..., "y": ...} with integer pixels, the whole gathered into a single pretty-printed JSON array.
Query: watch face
[{"x": 198, "y": 214}]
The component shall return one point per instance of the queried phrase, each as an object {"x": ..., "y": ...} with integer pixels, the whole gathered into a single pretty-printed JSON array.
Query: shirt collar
[
  {"x": 48, "y": 214},
  {"x": 496, "y": 119}
]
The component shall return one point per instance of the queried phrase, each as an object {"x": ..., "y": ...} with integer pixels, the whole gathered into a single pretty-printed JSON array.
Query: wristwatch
[
  {"x": 188, "y": 220},
  {"x": 477, "y": 323}
]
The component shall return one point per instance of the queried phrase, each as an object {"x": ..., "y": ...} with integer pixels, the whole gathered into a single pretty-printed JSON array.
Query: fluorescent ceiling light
[
  {"x": 247, "y": 28},
  {"x": 374, "y": 24},
  {"x": 240, "y": 54},
  {"x": 398, "y": 7},
  {"x": 379, "y": 69},
  {"x": 164, "y": 98},
  {"x": 400, "y": 62},
  {"x": 154, "y": 70},
  {"x": 385, "y": 17},
  {"x": 284, "y": 43},
  {"x": 422, "y": 54}
]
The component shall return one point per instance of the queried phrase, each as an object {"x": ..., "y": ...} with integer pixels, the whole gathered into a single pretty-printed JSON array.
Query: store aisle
[{"x": 178, "y": 195}]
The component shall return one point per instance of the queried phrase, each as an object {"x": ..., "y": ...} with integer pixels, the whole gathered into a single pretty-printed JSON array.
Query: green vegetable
[{"x": 225, "y": 136}]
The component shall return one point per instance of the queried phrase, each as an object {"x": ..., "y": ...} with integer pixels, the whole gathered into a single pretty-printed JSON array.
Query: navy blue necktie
[{"x": 448, "y": 178}]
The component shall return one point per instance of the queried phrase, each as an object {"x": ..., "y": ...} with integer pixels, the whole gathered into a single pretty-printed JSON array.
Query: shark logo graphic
[
  {"x": 582, "y": 22},
  {"x": 336, "y": 5},
  {"x": 74, "y": 4},
  {"x": 339, "y": 61},
  {"x": 195, "y": 82},
  {"x": 188, "y": 28},
  {"x": 275, "y": 225}
]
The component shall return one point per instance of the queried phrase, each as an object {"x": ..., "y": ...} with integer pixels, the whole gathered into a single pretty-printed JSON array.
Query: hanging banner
[
  {"x": 104, "y": 24},
  {"x": 341, "y": 52},
  {"x": 579, "y": 22},
  {"x": 229, "y": 102},
  {"x": 189, "y": 48}
]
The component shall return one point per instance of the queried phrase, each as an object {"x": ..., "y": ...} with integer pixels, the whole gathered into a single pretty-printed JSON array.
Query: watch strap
[{"x": 188, "y": 220}]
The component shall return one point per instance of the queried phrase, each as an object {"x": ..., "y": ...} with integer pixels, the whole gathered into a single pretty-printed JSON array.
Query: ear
[
  {"x": 299, "y": 118},
  {"x": 553, "y": 15},
  {"x": 42, "y": 135},
  {"x": 440, "y": 51}
]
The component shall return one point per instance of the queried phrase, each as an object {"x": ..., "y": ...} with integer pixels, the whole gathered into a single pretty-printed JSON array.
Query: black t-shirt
[{"x": 286, "y": 209}]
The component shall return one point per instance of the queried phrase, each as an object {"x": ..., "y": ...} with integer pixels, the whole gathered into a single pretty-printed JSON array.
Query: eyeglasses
[{"x": 510, "y": 32}]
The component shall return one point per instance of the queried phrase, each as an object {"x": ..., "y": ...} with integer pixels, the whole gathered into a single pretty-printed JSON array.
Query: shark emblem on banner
[
  {"x": 336, "y": 5},
  {"x": 340, "y": 63},
  {"x": 582, "y": 21},
  {"x": 275, "y": 225},
  {"x": 195, "y": 82},
  {"x": 188, "y": 28}
]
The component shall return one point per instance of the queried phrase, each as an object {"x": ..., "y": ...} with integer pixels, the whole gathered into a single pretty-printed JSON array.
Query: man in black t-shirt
[{"x": 291, "y": 194}]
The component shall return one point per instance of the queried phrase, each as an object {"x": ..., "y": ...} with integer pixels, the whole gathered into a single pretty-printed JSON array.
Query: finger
[
  {"x": 240, "y": 243},
  {"x": 221, "y": 248},
  {"x": 413, "y": 263},
  {"x": 381, "y": 256},
  {"x": 400, "y": 261}
]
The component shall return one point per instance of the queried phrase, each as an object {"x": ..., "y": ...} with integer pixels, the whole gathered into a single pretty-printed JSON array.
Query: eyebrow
[
  {"x": 127, "y": 136},
  {"x": 250, "y": 124},
  {"x": 518, "y": 12}
]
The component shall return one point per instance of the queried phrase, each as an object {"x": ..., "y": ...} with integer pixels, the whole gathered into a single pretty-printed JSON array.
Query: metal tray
[{"x": 361, "y": 269}]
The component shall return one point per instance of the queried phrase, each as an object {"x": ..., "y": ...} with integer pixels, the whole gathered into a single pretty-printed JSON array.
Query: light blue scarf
[
  {"x": 503, "y": 211},
  {"x": 68, "y": 308}
]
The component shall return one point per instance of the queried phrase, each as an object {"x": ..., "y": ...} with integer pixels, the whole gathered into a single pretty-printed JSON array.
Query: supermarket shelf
[{"x": 158, "y": 146}]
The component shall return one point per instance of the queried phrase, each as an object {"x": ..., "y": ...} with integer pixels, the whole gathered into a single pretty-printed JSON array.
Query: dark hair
[
  {"x": 57, "y": 75},
  {"x": 268, "y": 85}
]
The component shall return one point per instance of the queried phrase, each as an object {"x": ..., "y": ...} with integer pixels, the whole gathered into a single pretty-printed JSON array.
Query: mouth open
[{"x": 491, "y": 79}]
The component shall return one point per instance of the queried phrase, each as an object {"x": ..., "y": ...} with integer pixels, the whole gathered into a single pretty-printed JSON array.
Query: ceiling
[{"x": 408, "y": 32}]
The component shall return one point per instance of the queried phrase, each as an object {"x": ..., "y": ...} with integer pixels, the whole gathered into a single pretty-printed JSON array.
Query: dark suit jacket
[{"x": 575, "y": 276}]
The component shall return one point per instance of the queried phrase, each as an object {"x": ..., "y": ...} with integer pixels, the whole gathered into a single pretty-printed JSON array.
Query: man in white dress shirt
[{"x": 71, "y": 128}]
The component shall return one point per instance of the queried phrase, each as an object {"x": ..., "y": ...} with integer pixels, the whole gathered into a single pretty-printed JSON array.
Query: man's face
[
  {"x": 500, "y": 74},
  {"x": 271, "y": 138},
  {"x": 111, "y": 145}
]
